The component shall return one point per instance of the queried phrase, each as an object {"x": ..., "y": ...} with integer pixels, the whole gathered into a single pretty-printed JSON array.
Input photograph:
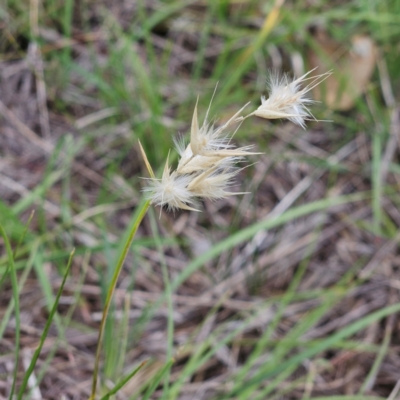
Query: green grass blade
[
  {"x": 14, "y": 283},
  {"x": 157, "y": 379},
  {"x": 246, "y": 58},
  {"x": 264, "y": 394},
  {"x": 123, "y": 349},
  {"x": 45, "y": 331},
  {"x": 20, "y": 240},
  {"x": 123, "y": 382},
  {"x": 24, "y": 276},
  {"x": 377, "y": 363},
  {"x": 142, "y": 210},
  {"x": 160, "y": 15},
  {"x": 322, "y": 346},
  {"x": 168, "y": 294},
  {"x": 47, "y": 288},
  {"x": 376, "y": 182},
  {"x": 22, "y": 237},
  {"x": 43, "y": 371}
]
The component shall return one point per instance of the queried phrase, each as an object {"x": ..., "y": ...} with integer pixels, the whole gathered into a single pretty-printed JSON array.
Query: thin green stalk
[
  {"x": 157, "y": 379},
  {"x": 168, "y": 293},
  {"x": 369, "y": 381},
  {"x": 123, "y": 382},
  {"x": 22, "y": 237},
  {"x": 142, "y": 212},
  {"x": 27, "y": 269},
  {"x": 46, "y": 329},
  {"x": 14, "y": 283},
  {"x": 6, "y": 317},
  {"x": 19, "y": 244},
  {"x": 377, "y": 183}
]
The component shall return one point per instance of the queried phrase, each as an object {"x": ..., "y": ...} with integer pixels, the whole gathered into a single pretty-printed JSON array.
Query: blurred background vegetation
[{"x": 289, "y": 291}]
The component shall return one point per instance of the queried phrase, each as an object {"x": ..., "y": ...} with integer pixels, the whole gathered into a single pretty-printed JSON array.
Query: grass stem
[{"x": 111, "y": 291}]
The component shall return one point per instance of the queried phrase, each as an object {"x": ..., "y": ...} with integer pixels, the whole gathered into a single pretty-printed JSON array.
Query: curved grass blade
[
  {"x": 157, "y": 379},
  {"x": 370, "y": 379},
  {"x": 123, "y": 382},
  {"x": 139, "y": 215},
  {"x": 41, "y": 373},
  {"x": 45, "y": 331}
]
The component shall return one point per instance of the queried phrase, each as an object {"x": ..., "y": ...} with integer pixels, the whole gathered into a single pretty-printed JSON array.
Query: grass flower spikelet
[
  {"x": 171, "y": 190},
  {"x": 287, "y": 100},
  {"x": 205, "y": 168}
]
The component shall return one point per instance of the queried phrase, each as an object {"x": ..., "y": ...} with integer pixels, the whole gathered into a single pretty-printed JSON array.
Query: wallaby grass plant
[{"x": 207, "y": 165}]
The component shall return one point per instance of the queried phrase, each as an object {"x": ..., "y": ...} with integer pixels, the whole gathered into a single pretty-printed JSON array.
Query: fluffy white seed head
[
  {"x": 171, "y": 190},
  {"x": 287, "y": 100},
  {"x": 206, "y": 140},
  {"x": 205, "y": 168},
  {"x": 209, "y": 141},
  {"x": 212, "y": 184}
]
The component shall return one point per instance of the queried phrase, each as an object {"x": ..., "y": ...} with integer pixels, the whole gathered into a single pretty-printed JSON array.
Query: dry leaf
[{"x": 352, "y": 68}]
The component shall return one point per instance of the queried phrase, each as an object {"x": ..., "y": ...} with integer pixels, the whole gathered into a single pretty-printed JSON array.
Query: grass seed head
[
  {"x": 205, "y": 141},
  {"x": 206, "y": 167},
  {"x": 286, "y": 98},
  {"x": 212, "y": 184},
  {"x": 171, "y": 190}
]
